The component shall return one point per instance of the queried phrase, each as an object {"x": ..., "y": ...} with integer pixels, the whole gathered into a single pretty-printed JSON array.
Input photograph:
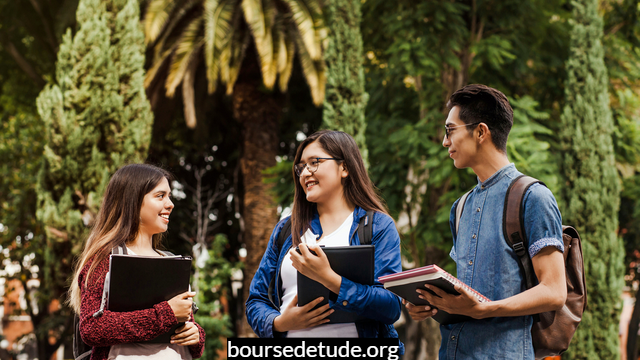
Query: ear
[
  {"x": 483, "y": 134},
  {"x": 344, "y": 172}
]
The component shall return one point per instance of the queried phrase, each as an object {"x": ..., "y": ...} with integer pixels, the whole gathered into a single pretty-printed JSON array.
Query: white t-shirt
[
  {"x": 289, "y": 275},
  {"x": 143, "y": 351}
]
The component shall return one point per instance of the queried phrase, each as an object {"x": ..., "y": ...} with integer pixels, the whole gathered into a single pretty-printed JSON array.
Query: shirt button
[
  {"x": 470, "y": 262},
  {"x": 474, "y": 236},
  {"x": 453, "y": 338},
  {"x": 478, "y": 209},
  {"x": 482, "y": 187},
  {"x": 344, "y": 303}
]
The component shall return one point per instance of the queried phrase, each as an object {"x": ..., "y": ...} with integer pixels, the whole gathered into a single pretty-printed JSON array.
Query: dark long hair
[
  {"x": 358, "y": 188},
  {"x": 118, "y": 220}
]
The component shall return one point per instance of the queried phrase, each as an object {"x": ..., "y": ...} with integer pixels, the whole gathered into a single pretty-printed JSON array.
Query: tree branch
[
  {"x": 22, "y": 62},
  {"x": 47, "y": 28}
]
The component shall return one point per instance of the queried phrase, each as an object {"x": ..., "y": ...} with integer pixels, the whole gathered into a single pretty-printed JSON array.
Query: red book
[{"x": 404, "y": 284}]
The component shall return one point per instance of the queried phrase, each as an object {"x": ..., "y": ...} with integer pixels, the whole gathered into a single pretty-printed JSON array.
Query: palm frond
[
  {"x": 307, "y": 15},
  {"x": 314, "y": 72},
  {"x": 157, "y": 64},
  {"x": 190, "y": 41},
  {"x": 188, "y": 91},
  {"x": 232, "y": 54},
  {"x": 260, "y": 16},
  {"x": 158, "y": 12},
  {"x": 286, "y": 53},
  {"x": 217, "y": 26},
  {"x": 169, "y": 28}
]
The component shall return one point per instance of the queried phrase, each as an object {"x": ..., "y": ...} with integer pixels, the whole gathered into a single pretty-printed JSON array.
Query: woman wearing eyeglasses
[{"x": 332, "y": 193}]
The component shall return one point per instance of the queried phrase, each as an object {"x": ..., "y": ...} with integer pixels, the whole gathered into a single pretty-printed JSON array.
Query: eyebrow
[
  {"x": 449, "y": 124},
  {"x": 311, "y": 157}
]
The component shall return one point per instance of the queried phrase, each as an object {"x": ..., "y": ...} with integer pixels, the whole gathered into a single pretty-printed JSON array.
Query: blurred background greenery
[{"x": 220, "y": 93}]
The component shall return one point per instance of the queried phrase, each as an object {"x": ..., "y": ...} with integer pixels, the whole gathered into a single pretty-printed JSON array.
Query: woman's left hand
[
  {"x": 316, "y": 267},
  {"x": 187, "y": 334}
]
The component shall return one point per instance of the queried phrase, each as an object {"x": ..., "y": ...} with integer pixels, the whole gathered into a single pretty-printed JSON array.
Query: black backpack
[
  {"x": 364, "y": 230},
  {"x": 80, "y": 349},
  {"x": 552, "y": 330}
]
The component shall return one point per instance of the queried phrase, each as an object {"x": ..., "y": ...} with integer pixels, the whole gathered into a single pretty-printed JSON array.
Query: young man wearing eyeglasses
[{"x": 476, "y": 133}]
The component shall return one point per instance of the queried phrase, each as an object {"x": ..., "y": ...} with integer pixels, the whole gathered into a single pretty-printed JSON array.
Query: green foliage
[
  {"x": 282, "y": 180},
  {"x": 96, "y": 119},
  {"x": 345, "y": 97},
  {"x": 212, "y": 285},
  {"x": 592, "y": 187}
]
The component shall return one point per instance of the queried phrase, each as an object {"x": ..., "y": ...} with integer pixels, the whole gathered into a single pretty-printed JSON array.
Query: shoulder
[
  {"x": 539, "y": 194},
  {"x": 280, "y": 225},
  {"x": 278, "y": 229},
  {"x": 382, "y": 219},
  {"x": 101, "y": 269}
]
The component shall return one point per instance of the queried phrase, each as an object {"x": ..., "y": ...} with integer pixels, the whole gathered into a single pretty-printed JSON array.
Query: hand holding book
[{"x": 431, "y": 287}]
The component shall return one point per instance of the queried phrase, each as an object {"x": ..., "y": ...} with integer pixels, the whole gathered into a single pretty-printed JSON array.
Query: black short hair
[{"x": 480, "y": 103}]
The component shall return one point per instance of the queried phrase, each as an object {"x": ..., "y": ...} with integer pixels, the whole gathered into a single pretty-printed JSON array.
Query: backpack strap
[
  {"x": 513, "y": 224},
  {"x": 165, "y": 252},
  {"x": 282, "y": 237},
  {"x": 459, "y": 209},
  {"x": 365, "y": 228}
]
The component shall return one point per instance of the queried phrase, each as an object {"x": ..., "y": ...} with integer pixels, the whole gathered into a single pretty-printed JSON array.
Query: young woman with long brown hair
[
  {"x": 332, "y": 193},
  {"x": 134, "y": 213}
]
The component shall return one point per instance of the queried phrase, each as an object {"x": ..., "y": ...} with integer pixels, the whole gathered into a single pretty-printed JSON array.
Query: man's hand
[
  {"x": 419, "y": 312},
  {"x": 464, "y": 304},
  {"x": 295, "y": 317}
]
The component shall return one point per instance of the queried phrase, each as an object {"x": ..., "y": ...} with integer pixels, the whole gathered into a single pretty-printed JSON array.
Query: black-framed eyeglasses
[
  {"x": 448, "y": 128},
  {"x": 312, "y": 166}
]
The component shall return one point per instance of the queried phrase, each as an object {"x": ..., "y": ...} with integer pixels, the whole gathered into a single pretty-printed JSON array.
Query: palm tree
[
  {"x": 181, "y": 31},
  {"x": 246, "y": 45}
]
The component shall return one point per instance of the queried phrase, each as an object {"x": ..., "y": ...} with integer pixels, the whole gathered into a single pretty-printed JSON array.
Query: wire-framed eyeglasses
[
  {"x": 448, "y": 128},
  {"x": 311, "y": 166}
]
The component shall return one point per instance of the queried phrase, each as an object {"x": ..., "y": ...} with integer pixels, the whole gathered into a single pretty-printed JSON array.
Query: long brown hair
[
  {"x": 118, "y": 220},
  {"x": 358, "y": 188}
]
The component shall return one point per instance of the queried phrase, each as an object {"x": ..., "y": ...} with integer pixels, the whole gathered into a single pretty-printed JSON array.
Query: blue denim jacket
[
  {"x": 374, "y": 302},
  {"x": 485, "y": 262}
]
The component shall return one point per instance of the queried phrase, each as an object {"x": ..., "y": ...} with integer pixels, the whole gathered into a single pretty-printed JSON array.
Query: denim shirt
[{"x": 485, "y": 262}]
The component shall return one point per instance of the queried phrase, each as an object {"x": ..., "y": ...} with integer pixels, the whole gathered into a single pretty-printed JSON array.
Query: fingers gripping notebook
[{"x": 355, "y": 263}]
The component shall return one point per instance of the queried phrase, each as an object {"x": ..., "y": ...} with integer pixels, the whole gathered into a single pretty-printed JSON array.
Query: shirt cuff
[{"x": 538, "y": 245}]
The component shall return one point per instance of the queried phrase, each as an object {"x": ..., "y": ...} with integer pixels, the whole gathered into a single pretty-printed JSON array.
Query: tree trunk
[{"x": 258, "y": 111}]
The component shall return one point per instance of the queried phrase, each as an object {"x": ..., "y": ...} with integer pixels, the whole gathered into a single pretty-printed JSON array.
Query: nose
[
  {"x": 306, "y": 168},
  {"x": 446, "y": 142},
  {"x": 169, "y": 205}
]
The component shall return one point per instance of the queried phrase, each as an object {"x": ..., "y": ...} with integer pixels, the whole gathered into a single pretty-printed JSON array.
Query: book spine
[{"x": 452, "y": 279}]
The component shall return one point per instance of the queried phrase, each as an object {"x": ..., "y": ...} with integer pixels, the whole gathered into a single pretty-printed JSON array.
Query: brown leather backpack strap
[{"x": 513, "y": 224}]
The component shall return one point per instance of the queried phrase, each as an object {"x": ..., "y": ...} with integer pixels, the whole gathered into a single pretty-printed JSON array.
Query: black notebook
[
  {"x": 352, "y": 262},
  {"x": 140, "y": 282}
]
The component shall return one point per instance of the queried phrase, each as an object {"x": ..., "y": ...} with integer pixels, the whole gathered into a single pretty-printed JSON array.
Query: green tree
[
  {"x": 246, "y": 45},
  {"x": 345, "y": 96},
  {"x": 96, "y": 119},
  {"x": 592, "y": 187},
  {"x": 212, "y": 298}
]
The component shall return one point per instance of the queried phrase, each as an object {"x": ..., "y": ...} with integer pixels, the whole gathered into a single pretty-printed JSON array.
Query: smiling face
[
  {"x": 326, "y": 183},
  {"x": 461, "y": 144},
  {"x": 156, "y": 208}
]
